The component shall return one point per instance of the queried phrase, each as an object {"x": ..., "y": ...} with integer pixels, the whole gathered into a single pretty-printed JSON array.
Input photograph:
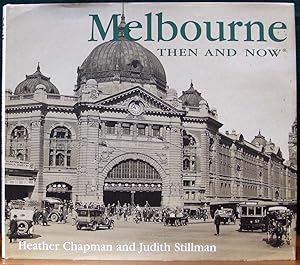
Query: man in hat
[
  {"x": 217, "y": 220},
  {"x": 13, "y": 227}
]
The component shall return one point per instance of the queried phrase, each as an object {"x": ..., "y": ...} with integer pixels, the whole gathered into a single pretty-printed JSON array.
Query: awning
[{"x": 19, "y": 181}]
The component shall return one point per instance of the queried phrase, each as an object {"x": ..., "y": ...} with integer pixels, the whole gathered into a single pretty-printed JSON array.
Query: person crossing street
[
  {"x": 217, "y": 220},
  {"x": 13, "y": 227}
]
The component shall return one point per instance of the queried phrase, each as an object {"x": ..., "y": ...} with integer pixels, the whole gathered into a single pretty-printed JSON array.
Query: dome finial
[
  {"x": 122, "y": 23},
  {"x": 123, "y": 16},
  {"x": 191, "y": 86},
  {"x": 38, "y": 67}
]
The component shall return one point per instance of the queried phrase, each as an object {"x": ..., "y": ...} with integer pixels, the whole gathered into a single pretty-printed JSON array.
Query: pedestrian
[
  {"x": 36, "y": 216},
  {"x": 113, "y": 209},
  {"x": 217, "y": 220},
  {"x": 74, "y": 216},
  {"x": 118, "y": 211},
  {"x": 125, "y": 212},
  {"x": 64, "y": 214},
  {"x": 147, "y": 205},
  {"x": 13, "y": 227},
  {"x": 108, "y": 210},
  {"x": 44, "y": 217},
  {"x": 60, "y": 216}
]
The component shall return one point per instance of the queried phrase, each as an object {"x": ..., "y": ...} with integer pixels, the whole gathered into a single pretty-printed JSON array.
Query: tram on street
[{"x": 253, "y": 215}]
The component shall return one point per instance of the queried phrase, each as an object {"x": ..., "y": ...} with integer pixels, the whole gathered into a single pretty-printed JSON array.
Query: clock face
[{"x": 135, "y": 108}]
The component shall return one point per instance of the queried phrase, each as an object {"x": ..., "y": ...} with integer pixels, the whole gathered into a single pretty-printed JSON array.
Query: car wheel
[
  {"x": 54, "y": 217},
  {"x": 23, "y": 227},
  {"x": 94, "y": 227},
  {"x": 106, "y": 221},
  {"x": 78, "y": 227},
  {"x": 111, "y": 226},
  {"x": 40, "y": 220}
]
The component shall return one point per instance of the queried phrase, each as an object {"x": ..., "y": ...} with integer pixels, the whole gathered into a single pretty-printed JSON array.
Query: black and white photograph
[{"x": 149, "y": 131}]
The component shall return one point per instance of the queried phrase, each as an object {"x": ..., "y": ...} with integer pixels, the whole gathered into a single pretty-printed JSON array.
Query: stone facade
[
  {"x": 293, "y": 144},
  {"x": 117, "y": 140}
]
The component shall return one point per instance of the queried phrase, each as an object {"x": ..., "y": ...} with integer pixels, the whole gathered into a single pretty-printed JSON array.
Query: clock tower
[{"x": 293, "y": 144}]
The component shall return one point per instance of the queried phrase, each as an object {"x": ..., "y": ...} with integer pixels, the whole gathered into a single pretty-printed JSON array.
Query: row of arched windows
[{"x": 59, "y": 149}]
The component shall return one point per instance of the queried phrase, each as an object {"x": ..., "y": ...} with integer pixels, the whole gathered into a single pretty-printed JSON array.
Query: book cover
[{"x": 149, "y": 131}]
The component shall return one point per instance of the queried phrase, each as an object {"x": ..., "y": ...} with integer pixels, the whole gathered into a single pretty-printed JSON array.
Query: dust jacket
[{"x": 149, "y": 131}]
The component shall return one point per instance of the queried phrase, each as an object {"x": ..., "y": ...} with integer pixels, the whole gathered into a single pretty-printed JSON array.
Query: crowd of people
[
  {"x": 134, "y": 212},
  {"x": 67, "y": 212},
  {"x": 279, "y": 225}
]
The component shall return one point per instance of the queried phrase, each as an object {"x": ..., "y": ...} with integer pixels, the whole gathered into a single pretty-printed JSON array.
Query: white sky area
[{"x": 250, "y": 93}]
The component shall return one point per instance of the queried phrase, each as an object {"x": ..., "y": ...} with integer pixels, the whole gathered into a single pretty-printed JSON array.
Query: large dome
[
  {"x": 29, "y": 85},
  {"x": 123, "y": 60}
]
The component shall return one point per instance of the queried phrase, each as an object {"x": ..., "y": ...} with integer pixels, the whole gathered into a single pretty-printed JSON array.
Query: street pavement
[{"x": 126, "y": 237}]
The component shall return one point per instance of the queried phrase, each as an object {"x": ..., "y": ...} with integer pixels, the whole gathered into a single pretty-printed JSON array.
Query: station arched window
[
  {"x": 60, "y": 147},
  {"x": 186, "y": 164},
  {"x": 133, "y": 169},
  {"x": 19, "y": 143}
]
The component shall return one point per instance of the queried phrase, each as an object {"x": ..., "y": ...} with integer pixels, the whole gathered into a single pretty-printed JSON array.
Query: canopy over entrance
[{"x": 59, "y": 190}]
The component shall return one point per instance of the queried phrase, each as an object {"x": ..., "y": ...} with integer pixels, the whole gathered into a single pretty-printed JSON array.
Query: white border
[{"x": 3, "y": 131}]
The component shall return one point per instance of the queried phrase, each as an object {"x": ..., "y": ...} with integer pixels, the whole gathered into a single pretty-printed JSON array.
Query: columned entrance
[
  {"x": 59, "y": 190},
  {"x": 133, "y": 181}
]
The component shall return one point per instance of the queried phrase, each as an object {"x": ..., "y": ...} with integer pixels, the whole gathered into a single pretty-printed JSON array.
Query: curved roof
[
  {"x": 122, "y": 59},
  {"x": 191, "y": 97},
  {"x": 259, "y": 140},
  {"x": 29, "y": 85}
]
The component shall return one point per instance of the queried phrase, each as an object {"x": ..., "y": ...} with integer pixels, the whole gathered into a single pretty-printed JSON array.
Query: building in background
[{"x": 126, "y": 136}]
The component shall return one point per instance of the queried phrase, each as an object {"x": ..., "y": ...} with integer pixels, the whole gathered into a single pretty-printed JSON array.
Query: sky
[{"x": 250, "y": 93}]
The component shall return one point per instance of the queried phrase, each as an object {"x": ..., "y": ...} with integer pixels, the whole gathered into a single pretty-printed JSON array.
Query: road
[{"x": 126, "y": 237}]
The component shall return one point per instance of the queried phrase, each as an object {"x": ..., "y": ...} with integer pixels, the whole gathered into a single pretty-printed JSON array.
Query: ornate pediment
[{"x": 137, "y": 101}]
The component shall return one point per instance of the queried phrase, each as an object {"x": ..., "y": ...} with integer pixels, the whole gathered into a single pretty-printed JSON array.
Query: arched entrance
[
  {"x": 133, "y": 181},
  {"x": 59, "y": 190}
]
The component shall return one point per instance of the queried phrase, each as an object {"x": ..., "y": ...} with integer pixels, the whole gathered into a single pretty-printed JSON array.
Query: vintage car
[
  {"x": 93, "y": 219},
  {"x": 52, "y": 206},
  {"x": 24, "y": 221},
  {"x": 227, "y": 215},
  {"x": 253, "y": 215}
]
